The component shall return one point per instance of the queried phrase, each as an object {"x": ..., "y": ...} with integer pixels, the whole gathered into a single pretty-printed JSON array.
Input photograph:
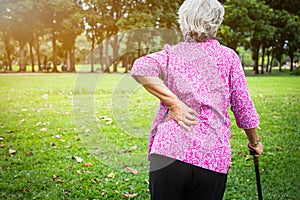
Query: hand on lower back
[{"x": 182, "y": 114}]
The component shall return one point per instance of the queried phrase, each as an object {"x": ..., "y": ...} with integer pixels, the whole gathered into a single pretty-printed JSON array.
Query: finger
[
  {"x": 184, "y": 126},
  {"x": 257, "y": 154},
  {"x": 191, "y": 111},
  {"x": 255, "y": 151},
  {"x": 176, "y": 117},
  {"x": 188, "y": 109},
  {"x": 191, "y": 117},
  {"x": 189, "y": 122}
]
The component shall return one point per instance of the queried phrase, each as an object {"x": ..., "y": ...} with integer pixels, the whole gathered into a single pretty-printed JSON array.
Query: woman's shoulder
[
  {"x": 212, "y": 47},
  {"x": 228, "y": 51}
]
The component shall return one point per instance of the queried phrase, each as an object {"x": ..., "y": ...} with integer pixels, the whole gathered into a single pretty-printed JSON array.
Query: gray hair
[{"x": 200, "y": 19}]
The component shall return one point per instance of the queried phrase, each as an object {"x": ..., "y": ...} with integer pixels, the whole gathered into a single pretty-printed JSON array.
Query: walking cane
[{"x": 252, "y": 152}]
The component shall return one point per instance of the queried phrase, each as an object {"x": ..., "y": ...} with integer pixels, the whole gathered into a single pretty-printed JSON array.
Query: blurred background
[{"x": 59, "y": 35}]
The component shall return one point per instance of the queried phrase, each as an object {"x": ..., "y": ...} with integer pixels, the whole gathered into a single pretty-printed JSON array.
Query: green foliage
[
  {"x": 37, "y": 121},
  {"x": 288, "y": 5},
  {"x": 253, "y": 24}
]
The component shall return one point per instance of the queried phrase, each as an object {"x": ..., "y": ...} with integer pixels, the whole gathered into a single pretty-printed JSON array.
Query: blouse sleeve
[
  {"x": 241, "y": 103},
  {"x": 154, "y": 64}
]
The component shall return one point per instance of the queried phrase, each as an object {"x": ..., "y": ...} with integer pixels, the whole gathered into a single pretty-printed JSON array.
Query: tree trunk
[
  {"x": 292, "y": 62},
  {"x": 256, "y": 55},
  {"x": 92, "y": 53},
  {"x": 54, "y": 52},
  {"x": 22, "y": 57},
  {"x": 125, "y": 62},
  {"x": 268, "y": 60},
  {"x": 115, "y": 47},
  {"x": 106, "y": 56},
  {"x": 45, "y": 63},
  {"x": 101, "y": 56},
  {"x": 271, "y": 63},
  {"x": 127, "y": 54},
  {"x": 115, "y": 67},
  {"x": 139, "y": 49},
  {"x": 280, "y": 65},
  {"x": 39, "y": 58},
  {"x": 8, "y": 52},
  {"x": 73, "y": 60},
  {"x": 38, "y": 54},
  {"x": 31, "y": 56},
  {"x": 68, "y": 61},
  {"x": 263, "y": 60}
]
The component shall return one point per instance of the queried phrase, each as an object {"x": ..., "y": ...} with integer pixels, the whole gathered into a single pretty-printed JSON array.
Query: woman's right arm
[
  {"x": 242, "y": 106},
  {"x": 149, "y": 72},
  {"x": 180, "y": 112}
]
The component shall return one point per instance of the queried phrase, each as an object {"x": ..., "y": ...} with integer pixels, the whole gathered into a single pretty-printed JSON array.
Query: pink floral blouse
[{"x": 209, "y": 78}]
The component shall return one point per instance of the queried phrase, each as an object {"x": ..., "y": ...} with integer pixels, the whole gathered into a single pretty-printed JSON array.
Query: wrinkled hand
[
  {"x": 182, "y": 114},
  {"x": 257, "y": 150}
]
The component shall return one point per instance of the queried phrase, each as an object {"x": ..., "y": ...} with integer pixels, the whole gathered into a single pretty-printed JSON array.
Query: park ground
[{"x": 51, "y": 149}]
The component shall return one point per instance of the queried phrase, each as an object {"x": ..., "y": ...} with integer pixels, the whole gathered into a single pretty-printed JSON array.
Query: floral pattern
[{"x": 209, "y": 78}]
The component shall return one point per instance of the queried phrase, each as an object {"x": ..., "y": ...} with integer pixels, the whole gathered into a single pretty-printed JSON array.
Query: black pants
[{"x": 175, "y": 180}]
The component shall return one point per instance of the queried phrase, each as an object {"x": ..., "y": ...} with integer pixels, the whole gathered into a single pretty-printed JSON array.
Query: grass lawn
[{"x": 85, "y": 136}]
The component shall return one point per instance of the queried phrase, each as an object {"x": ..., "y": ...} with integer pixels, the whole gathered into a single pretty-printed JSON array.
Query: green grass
[{"x": 48, "y": 119}]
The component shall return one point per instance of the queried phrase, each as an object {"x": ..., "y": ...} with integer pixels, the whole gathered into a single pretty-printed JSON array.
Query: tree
[
  {"x": 145, "y": 24},
  {"x": 55, "y": 15},
  {"x": 237, "y": 27},
  {"x": 72, "y": 27},
  {"x": 39, "y": 30},
  {"x": 279, "y": 41},
  {"x": 18, "y": 22},
  {"x": 287, "y": 23},
  {"x": 247, "y": 23},
  {"x": 92, "y": 21},
  {"x": 288, "y": 5},
  {"x": 133, "y": 23},
  {"x": 100, "y": 25},
  {"x": 270, "y": 28},
  {"x": 5, "y": 29},
  {"x": 291, "y": 32},
  {"x": 165, "y": 13}
]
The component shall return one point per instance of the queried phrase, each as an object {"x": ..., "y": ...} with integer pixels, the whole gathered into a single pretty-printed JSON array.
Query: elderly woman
[{"x": 196, "y": 80}]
